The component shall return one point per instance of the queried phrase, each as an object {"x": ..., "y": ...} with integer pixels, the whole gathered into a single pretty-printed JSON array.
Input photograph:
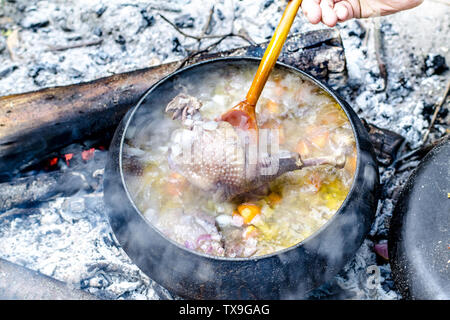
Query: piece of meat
[
  {"x": 183, "y": 106},
  {"x": 223, "y": 160}
]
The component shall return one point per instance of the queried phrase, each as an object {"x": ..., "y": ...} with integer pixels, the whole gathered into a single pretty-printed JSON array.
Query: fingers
[
  {"x": 344, "y": 11},
  {"x": 329, "y": 16},
  {"x": 326, "y": 11},
  {"x": 312, "y": 10},
  {"x": 329, "y": 12}
]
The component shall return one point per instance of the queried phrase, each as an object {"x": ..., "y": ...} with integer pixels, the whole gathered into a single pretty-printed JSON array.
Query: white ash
[
  {"x": 70, "y": 239},
  {"x": 130, "y": 41},
  {"x": 75, "y": 245}
]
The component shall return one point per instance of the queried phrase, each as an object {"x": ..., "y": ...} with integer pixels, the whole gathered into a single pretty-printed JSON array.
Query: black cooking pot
[{"x": 289, "y": 273}]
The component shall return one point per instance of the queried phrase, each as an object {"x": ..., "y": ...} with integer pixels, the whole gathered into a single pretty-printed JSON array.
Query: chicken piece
[
  {"x": 183, "y": 106},
  {"x": 220, "y": 159}
]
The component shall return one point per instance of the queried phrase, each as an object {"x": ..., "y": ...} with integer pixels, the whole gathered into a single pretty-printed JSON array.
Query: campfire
[{"x": 63, "y": 99}]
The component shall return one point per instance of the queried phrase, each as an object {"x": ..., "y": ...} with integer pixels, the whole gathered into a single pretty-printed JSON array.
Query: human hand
[{"x": 330, "y": 12}]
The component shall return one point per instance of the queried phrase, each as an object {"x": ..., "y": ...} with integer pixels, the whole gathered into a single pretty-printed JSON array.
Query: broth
[{"x": 286, "y": 211}]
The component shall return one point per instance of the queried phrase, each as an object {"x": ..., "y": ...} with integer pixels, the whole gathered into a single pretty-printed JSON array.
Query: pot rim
[{"x": 344, "y": 105}]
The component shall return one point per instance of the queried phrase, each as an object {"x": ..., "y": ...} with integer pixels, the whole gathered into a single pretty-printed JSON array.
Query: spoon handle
[{"x": 272, "y": 52}]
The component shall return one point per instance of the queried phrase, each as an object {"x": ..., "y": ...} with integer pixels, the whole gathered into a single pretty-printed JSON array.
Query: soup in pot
[{"x": 275, "y": 215}]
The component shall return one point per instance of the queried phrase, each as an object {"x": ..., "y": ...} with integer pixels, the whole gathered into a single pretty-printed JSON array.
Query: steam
[{"x": 190, "y": 140}]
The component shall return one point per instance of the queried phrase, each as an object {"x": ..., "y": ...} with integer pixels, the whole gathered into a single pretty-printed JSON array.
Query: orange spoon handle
[{"x": 273, "y": 51}]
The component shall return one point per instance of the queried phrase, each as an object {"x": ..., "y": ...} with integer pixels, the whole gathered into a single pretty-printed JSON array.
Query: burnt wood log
[
  {"x": 20, "y": 283},
  {"x": 386, "y": 143},
  {"x": 36, "y": 123},
  {"x": 27, "y": 191}
]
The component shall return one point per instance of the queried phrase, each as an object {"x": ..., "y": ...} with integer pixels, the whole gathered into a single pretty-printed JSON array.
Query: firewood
[
  {"x": 20, "y": 283},
  {"x": 386, "y": 143}
]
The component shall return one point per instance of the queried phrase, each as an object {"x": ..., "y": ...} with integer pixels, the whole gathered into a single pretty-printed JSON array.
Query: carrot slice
[
  {"x": 279, "y": 88},
  {"x": 273, "y": 198},
  {"x": 281, "y": 135},
  {"x": 316, "y": 181},
  {"x": 320, "y": 139},
  {"x": 272, "y": 106},
  {"x": 332, "y": 117},
  {"x": 302, "y": 148},
  {"x": 248, "y": 211},
  {"x": 350, "y": 163},
  {"x": 176, "y": 184}
]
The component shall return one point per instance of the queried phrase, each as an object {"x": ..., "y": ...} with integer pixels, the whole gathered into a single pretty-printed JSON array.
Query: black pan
[
  {"x": 419, "y": 231},
  {"x": 289, "y": 273}
]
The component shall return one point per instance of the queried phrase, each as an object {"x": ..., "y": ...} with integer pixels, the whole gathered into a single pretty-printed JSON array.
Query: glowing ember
[
  {"x": 68, "y": 157},
  {"x": 53, "y": 161},
  {"x": 87, "y": 154}
]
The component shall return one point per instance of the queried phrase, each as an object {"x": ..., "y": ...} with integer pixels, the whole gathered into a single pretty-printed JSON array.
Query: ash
[{"x": 49, "y": 43}]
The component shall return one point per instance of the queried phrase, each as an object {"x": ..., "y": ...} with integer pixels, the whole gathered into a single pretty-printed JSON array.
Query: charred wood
[
  {"x": 386, "y": 143},
  {"x": 19, "y": 283},
  {"x": 27, "y": 191}
]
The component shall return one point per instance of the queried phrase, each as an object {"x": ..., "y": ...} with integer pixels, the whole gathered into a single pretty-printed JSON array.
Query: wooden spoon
[{"x": 243, "y": 115}]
